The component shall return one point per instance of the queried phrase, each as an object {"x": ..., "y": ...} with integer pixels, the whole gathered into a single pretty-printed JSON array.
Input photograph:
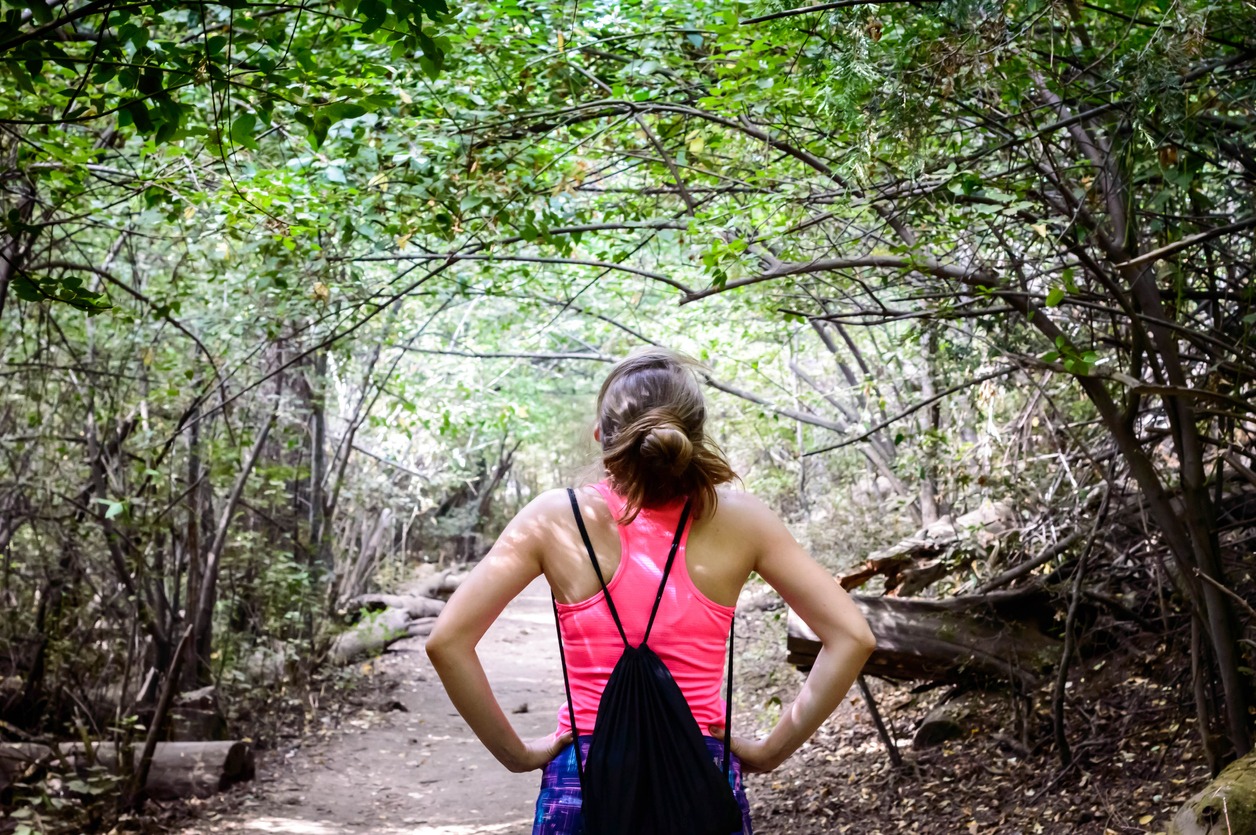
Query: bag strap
[
  {"x": 588, "y": 546},
  {"x": 562, "y": 655},
  {"x": 571, "y": 710},
  {"x": 671, "y": 557},
  {"x": 728, "y": 701}
]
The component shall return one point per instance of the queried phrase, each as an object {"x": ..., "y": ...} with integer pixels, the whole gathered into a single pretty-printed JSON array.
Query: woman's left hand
[
  {"x": 538, "y": 753},
  {"x": 755, "y": 756}
]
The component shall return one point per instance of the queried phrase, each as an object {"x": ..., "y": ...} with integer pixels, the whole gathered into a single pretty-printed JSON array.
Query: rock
[
  {"x": 1226, "y": 806},
  {"x": 949, "y": 720}
]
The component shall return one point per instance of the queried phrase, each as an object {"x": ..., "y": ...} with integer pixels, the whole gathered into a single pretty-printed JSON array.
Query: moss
[{"x": 1226, "y": 805}]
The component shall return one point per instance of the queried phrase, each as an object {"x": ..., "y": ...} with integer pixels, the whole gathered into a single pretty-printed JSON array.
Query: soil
[{"x": 404, "y": 763}]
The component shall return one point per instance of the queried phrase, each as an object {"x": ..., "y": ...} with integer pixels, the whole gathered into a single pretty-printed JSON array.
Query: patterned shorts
[{"x": 558, "y": 805}]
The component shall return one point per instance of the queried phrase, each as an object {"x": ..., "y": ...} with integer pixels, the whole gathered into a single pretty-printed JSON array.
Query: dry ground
[{"x": 403, "y": 763}]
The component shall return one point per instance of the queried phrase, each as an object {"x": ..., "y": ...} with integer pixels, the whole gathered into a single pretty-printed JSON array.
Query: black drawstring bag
[{"x": 648, "y": 771}]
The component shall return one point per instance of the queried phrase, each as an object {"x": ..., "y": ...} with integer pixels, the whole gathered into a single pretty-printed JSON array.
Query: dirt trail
[{"x": 418, "y": 771}]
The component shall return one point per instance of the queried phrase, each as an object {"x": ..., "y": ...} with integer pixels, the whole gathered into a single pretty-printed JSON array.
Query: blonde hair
[{"x": 651, "y": 414}]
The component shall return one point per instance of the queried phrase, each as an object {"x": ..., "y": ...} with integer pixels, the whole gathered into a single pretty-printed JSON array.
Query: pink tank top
[{"x": 690, "y": 632}]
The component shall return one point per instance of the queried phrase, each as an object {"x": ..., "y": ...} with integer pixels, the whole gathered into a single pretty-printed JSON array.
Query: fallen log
[
  {"x": 441, "y": 585},
  {"x": 915, "y": 563},
  {"x": 371, "y": 635},
  {"x": 994, "y": 638},
  {"x": 178, "y": 770},
  {"x": 421, "y": 628},
  {"x": 1226, "y": 805},
  {"x": 415, "y": 606},
  {"x": 182, "y": 769}
]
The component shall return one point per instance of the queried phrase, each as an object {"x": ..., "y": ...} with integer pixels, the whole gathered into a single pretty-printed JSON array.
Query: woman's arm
[
  {"x": 824, "y": 606},
  {"x": 512, "y": 563}
]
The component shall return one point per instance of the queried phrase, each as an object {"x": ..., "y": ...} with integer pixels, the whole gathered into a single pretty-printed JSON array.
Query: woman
[{"x": 650, "y": 416}]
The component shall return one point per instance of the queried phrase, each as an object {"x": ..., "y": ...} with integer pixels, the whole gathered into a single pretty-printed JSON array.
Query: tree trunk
[
  {"x": 320, "y": 537},
  {"x": 203, "y": 618},
  {"x": 12, "y": 246}
]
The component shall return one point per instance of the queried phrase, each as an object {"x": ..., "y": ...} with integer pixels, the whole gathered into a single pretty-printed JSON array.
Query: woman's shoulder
[
  {"x": 737, "y": 502},
  {"x": 555, "y": 504},
  {"x": 743, "y": 514},
  {"x": 548, "y": 504}
]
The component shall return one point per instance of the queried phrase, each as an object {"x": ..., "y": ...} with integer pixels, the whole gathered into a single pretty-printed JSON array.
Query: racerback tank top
[{"x": 690, "y": 631}]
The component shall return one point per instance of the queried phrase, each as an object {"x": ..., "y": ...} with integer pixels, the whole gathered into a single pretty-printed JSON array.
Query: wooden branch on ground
[
  {"x": 978, "y": 533},
  {"x": 412, "y": 605},
  {"x": 176, "y": 769},
  {"x": 370, "y": 636},
  {"x": 441, "y": 585},
  {"x": 996, "y": 637}
]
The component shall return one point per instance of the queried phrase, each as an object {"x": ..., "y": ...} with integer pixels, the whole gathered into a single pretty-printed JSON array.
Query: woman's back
[
  {"x": 689, "y": 630},
  {"x": 720, "y": 549},
  {"x": 655, "y": 451}
]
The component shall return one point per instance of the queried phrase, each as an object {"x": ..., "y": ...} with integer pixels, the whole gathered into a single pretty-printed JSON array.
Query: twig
[
  {"x": 1044, "y": 556},
  {"x": 916, "y": 408},
  {"x": 1227, "y": 591},
  {"x": 819, "y": 7},
  {"x": 134, "y": 799},
  {"x": 896, "y": 759},
  {"x": 1187, "y": 242},
  {"x": 1070, "y": 623}
]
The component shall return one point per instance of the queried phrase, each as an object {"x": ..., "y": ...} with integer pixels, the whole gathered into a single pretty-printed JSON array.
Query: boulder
[{"x": 1226, "y": 806}]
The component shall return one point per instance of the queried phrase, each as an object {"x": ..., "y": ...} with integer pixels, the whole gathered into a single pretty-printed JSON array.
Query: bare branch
[{"x": 929, "y": 266}]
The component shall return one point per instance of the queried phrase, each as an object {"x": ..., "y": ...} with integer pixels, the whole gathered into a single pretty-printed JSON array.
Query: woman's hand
[
  {"x": 755, "y": 754},
  {"x": 537, "y": 753}
]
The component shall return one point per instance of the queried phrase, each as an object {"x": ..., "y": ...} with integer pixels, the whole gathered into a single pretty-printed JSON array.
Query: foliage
[{"x": 931, "y": 254}]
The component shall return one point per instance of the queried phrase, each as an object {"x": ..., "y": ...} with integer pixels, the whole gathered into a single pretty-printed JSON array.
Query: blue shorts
[{"x": 558, "y": 805}]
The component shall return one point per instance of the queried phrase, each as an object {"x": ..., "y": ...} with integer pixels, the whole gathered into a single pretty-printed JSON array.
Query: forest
[{"x": 301, "y": 300}]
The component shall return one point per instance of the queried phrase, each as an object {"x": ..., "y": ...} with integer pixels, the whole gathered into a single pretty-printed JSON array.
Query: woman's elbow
[
  {"x": 861, "y": 638},
  {"x": 439, "y": 646},
  {"x": 867, "y": 640}
]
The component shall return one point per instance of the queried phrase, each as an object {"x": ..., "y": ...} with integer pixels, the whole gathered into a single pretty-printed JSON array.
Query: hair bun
[{"x": 667, "y": 448}]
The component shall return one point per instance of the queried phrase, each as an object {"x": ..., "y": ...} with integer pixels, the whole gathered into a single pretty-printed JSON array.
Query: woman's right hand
[{"x": 537, "y": 753}]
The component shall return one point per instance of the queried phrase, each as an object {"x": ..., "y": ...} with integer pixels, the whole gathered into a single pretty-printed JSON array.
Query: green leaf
[
  {"x": 1055, "y": 296},
  {"x": 139, "y": 116},
  {"x": 115, "y": 510},
  {"x": 342, "y": 110},
  {"x": 27, "y": 290},
  {"x": 434, "y": 54},
  {"x": 373, "y": 14},
  {"x": 242, "y": 130},
  {"x": 429, "y": 66},
  {"x": 150, "y": 81},
  {"x": 40, "y": 10},
  {"x": 434, "y": 9},
  {"x": 317, "y": 126}
]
